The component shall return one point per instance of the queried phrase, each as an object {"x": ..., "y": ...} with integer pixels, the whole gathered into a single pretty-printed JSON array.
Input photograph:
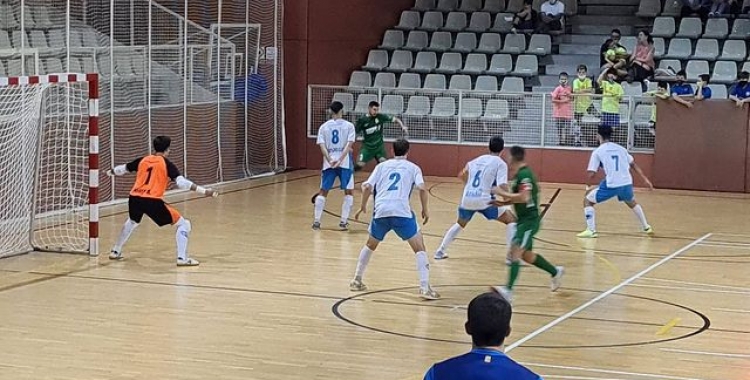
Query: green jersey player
[{"x": 371, "y": 128}]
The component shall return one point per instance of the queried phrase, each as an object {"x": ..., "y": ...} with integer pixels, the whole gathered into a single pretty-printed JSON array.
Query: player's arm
[
  {"x": 400, "y": 123},
  {"x": 120, "y": 170},
  {"x": 681, "y": 100},
  {"x": 594, "y": 163},
  {"x": 321, "y": 141},
  {"x": 367, "y": 188},
  {"x": 640, "y": 172},
  {"x": 603, "y": 76},
  {"x": 423, "y": 195},
  {"x": 510, "y": 197},
  {"x": 463, "y": 175},
  {"x": 350, "y": 139},
  {"x": 186, "y": 184}
]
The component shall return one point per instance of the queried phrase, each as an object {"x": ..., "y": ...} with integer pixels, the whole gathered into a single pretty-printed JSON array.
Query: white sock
[
  {"x": 183, "y": 232},
  {"x": 127, "y": 229},
  {"x": 450, "y": 235},
  {"x": 588, "y": 212},
  {"x": 320, "y": 205},
  {"x": 510, "y": 232},
  {"x": 638, "y": 210},
  {"x": 364, "y": 259},
  {"x": 423, "y": 268},
  {"x": 346, "y": 208}
]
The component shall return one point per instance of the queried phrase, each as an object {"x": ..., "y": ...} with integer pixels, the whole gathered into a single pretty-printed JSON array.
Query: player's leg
[
  {"x": 464, "y": 216},
  {"x": 327, "y": 178},
  {"x": 407, "y": 229},
  {"x": 365, "y": 155},
  {"x": 346, "y": 178},
  {"x": 626, "y": 195},
  {"x": 163, "y": 214},
  {"x": 597, "y": 195},
  {"x": 135, "y": 215},
  {"x": 378, "y": 229},
  {"x": 509, "y": 219}
]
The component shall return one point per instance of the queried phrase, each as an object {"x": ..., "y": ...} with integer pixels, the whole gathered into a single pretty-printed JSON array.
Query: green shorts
[
  {"x": 367, "y": 154},
  {"x": 525, "y": 232}
]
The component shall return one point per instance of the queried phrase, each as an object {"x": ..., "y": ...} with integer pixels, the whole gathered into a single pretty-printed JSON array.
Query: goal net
[{"x": 48, "y": 164}]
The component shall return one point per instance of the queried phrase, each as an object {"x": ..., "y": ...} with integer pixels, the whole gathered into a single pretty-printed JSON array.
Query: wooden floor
[{"x": 271, "y": 300}]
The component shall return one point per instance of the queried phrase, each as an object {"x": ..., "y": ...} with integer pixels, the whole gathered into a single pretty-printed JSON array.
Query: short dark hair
[
  {"x": 582, "y": 67},
  {"x": 616, "y": 31},
  {"x": 528, "y": 2},
  {"x": 563, "y": 74},
  {"x": 612, "y": 71},
  {"x": 681, "y": 73},
  {"x": 373, "y": 104},
  {"x": 162, "y": 143},
  {"x": 497, "y": 144},
  {"x": 743, "y": 75},
  {"x": 488, "y": 320},
  {"x": 336, "y": 107},
  {"x": 605, "y": 131},
  {"x": 704, "y": 77},
  {"x": 400, "y": 147},
  {"x": 662, "y": 84},
  {"x": 518, "y": 153}
]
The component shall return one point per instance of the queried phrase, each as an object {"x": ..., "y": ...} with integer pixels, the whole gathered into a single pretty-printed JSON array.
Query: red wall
[{"x": 324, "y": 41}]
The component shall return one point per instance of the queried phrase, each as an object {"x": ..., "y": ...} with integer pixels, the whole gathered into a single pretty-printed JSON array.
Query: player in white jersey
[
  {"x": 616, "y": 163},
  {"x": 392, "y": 182},
  {"x": 336, "y": 139},
  {"x": 480, "y": 175}
]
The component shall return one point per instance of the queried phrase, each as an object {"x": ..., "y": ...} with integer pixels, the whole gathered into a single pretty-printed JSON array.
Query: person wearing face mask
[
  {"x": 552, "y": 12},
  {"x": 703, "y": 91},
  {"x": 582, "y": 87},
  {"x": 612, "y": 93},
  {"x": 562, "y": 109},
  {"x": 612, "y": 42},
  {"x": 681, "y": 90},
  {"x": 526, "y": 18},
  {"x": 740, "y": 91}
]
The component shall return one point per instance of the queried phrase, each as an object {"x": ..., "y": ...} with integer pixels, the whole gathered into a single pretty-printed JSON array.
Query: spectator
[
  {"x": 662, "y": 93},
  {"x": 613, "y": 41},
  {"x": 740, "y": 91},
  {"x": 693, "y": 7},
  {"x": 703, "y": 91},
  {"x": 721, "y": 8},
  {"x": 488, "y": 324},
  {"x": 612, "y": 93},
  {"x": 617, "y": 58},
  {"x": 682, "y": 89},
  {"x": 642, "y": 60},
  {"x": 552, "y": 12},
  {"x": 582, "y": 87},
  {"x": 562, "y": 110},
  {"x": 526, "y": 18}
]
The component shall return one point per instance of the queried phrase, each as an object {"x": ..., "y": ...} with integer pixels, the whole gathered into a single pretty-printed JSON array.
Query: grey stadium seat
[
  {"x": 740, "y": 29},
  {"x": 360, "y": 79},
  {"x": 346, "y": 99},
  {"x": 410, "y": 80},
  {"x": 441, "y": 41},
  {"x": 673, "y": 63},
  {"x": 695, "y": 68},
  {"x": 706, "y": 49},
  {"x": 363, "y": 102},
  {"x": 514, "y": 6},
  {"x": 450, "y": 63},
  {"x": 475, "y": 64},
  {"x": 526, "y": 66},
  {"x": 649, "y": 8},
  {"x": 54, "y": 65},
  {"x": 89, "y": 37},
  {"x": 540, "y": 44},
  {"x": 455, "y": 22},
  {"x": 465, "y": 43},
  {"x": 444, "y": 106},
  {"x": 493, "y": 6},
  {"x": 724, "y": 72},
  {"x": 500, "y": 64},
  {"x": 469, "y": 6},
  {"x": 4, "y": 40},
  {"x": 489, "y": 43},
  {"x": 690, "y": 27},
  {"x": 679, "y": 48},
  {"x": 409, "y": 20},
  {"x": 514, "y": 44},
  {"x": 418, "y": 105},
  {"x": 424, "y": 5},
  {"x": 38, "y": 39},
  {"x": 512, "y": 85},
  {"x": 659, "y": 47},
  {"x": 632, "y": 89},
  {"x": 671, "y": 9},
  {"x": 392, "y": 40},
  {"x": 480, "y": 22},
  {"x": 734, "y": 50},
  {"x": 432, "y": 21},
  {"x": 471, "y": 109},
  {"x": 628, "y": 42},
  {"x": 503, "y": 23},
  {"x": 460, "y": 82},
  {"x": 387, "y": 80},
  {"x": 392, "y": 105},
  {"x": 718, "y": 91},
  {"x": 17, "y": 36},
  {"x": 486, "y": 83},
  {"x": 447, "y": 5},
  {"x": 417, "y": 41},
  {"x": 663, "y": 27},
  {"x": 376, "y": 60},
  {"x": 401, "y": 61},
  {"x": 496, "y": 110},
  {"x": 434, "y": 82},
  {"x": 426, "y": 62},
  {"x": 716, "y": 28}
]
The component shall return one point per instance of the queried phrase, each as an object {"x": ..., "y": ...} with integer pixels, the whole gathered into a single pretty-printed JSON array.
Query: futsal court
[{"x": 271, "y": 300}]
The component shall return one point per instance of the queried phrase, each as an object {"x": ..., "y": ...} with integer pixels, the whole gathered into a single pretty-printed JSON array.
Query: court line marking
[
  {"x": 731, "y": 310},
  {"x": 580, "y": 377},
  {"x": 704, "y": 290},
  {"x": 609, "y": 371},
  {"x": 707, "y": 353},
  {"x": 694, "y": 283},
  {"x": 606, "y": 294}
]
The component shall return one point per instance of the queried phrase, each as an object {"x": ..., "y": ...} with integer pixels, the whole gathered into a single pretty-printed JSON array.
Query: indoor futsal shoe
[
  {"x": 357, "y": 286},
  {"x": 440, "y": 255},
  {"x": 428, "y": 294},
  {"x": 649, "y": 230},
  {"x": 557, "y": 279},
  {"x": 189, "y": 262},
  {"x": 588, "y": 234},
  {"x": 503, "y": 292},
  {"x": 114, "y": 255}
]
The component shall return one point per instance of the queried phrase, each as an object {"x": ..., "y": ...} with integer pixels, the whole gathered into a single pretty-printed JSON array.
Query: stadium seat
[
  {"x": 424, "y": 5},
  {"x": 360, "y": 79},
  {"x": 444, "y": 106},
  {"x": 460, "y": 82},
  {"x": 632, "y": 89},
  {"x": 465, "y": 43},
  {"x": 138, "y": 64},
  {"x": 440, "y": 42},
  {"x": 432, "y": 21},
  {"x": 679, "y": 48},
  {"x": 387, "y": 80},
  {"x": 672, "y": 9},
  {"x": 392, "y": 105},
  {"x": 89, "y": 37},
  {"x": 540, "y": 44},
  {"x": 418, "y": 105},
  {"x": 716, "y": 28},
  {"x": 392, "y": 40},
  {"x": 450, "y": 63},
  {"x": 4, "y": 40},
  {"x": 54, "y": 65},
  {"x": 486, "y": 83},
  {"x": 734, "y": 50},
  {"x": 426, "y": 62},
  {"x": 724, "y": 72},
  {"x": 417, "y": 41},
  {"x": 500, "y": 64},
  {"x": 514, "y": 44},
  {"x": 376, "y": 60},
  {"x": 496, "y": 110},
  {"x": 471, "y": 109},
  {"x": 746, "y": 67},
  {"x": 695, "y": 68},
  {"x": 480, "y": 22},
  {"x": 76, "y": 39},
  {"x": 75, "y": 66},
  {"x": 649, "y": 8},
  {"x": 706, "y": 49},
  {"x": 503, "y": 23},
  {"x": 718, "y": 91},
  {"x": 690, "y": 27},
  {"x": 526, "y": 66},
  {"x": 455, "y": 22},
  {"x": 628, "y": 42},
  {"x": 56, "y": 37},
  {"x": 740, "y": 29},
  {"x": 514, "y": 6},
  {"x": 673, "y": 63},
  {"x": 8, "y": 21},
  {"x": 659, "y": 47},
  {"x": 409, "y": 80},
  {"x": 39, "y": 40},
  {"x": 447, "y": 5},
  {"x": 489, "y": 43},
  {"x": 42, "y": 17},
  {"x": 409, "y": 20},
  {"x": 88, "y": 65},
  {"x": 13, "y": 67},
  {"x": 401, "y": 61},
  {"x": 469, "y": 6},
  {"x": 476, "y": 64},
  {"x": 346, "y": 99},
  {"x": 434, "y": 82},
  {"x": 512, "y": 85},
  {"x": 493, "y": 6},
  {"x": 663, "y": 27},
  {"x": 103, "y": 62},
  {"x": 363, "y": 103},
  {"x": 17, "y": 36},
  {"x": 571, "y": 7}
]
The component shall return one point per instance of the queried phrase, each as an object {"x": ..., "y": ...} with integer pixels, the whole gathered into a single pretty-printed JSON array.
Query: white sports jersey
[
  {"x": 335, "y": 134},
  {"x": 484, "y": 172},
  {"x": 615, "y": 160},
  {"x": 392, "y": 182}
]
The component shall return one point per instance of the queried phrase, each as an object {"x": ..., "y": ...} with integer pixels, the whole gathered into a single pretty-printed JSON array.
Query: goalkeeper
[{"x": 371, "y": 127}]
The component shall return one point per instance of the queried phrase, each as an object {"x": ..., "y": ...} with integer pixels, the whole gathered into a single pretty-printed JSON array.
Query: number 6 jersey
[{"x": 484, "y": 172}]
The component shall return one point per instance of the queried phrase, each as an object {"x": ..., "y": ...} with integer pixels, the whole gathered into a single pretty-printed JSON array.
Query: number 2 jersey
[
  {"x": 153, "y": 175},
  {"x": 484, "y": 172},
  {"x": 392, "y": 183}
]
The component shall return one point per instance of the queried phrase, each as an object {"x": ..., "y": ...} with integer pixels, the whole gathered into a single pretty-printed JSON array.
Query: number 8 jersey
[
  {"x": 392, "y": 182},
  {"x": 484, "y": 172}
]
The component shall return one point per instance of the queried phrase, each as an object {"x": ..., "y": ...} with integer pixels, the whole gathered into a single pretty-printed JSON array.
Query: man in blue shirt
[
  {"x": 488, "y": 324},
  {"x": 682, "y": 89},
  {"x": 740, "y": 91}
]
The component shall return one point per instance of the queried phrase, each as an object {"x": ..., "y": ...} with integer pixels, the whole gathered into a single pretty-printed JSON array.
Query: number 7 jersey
[
  {"x": 484, "y": 172},
  {"x": 392, "y": 183}
]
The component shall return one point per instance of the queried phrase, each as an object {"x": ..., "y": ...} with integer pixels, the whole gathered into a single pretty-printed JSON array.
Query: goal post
[{"x": 49, "y": 163}]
